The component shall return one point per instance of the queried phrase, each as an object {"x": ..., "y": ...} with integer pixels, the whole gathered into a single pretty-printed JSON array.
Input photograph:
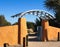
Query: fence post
[
  {"x": 24, "y": 42},
  {"x": 58, "y": 36}
]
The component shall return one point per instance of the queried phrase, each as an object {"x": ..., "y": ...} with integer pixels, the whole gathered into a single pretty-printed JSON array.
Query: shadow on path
[{"x": 33, "y": 37}]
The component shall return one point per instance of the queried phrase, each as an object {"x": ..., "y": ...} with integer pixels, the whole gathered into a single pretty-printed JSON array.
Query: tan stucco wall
[
  {"x": 9, "y": 34},
  {"x": 14, "y": 34},
  {"x": 52, "y": 32}
]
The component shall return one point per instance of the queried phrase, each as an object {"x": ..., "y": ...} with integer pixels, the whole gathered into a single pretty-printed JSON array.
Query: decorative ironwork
[{"x": 42, "y": 14}]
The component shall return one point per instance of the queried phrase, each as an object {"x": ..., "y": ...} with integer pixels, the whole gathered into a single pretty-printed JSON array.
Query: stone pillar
[
  {"x": 22, "y": 30},
  {"x": 45, "y": 25}
]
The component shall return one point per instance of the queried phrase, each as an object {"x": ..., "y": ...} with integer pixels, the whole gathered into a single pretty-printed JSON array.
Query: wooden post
[
  {"x": 58, "y": 36},
  {"x": 26, "y": 40},
  {"x": 24, "y": 45}
]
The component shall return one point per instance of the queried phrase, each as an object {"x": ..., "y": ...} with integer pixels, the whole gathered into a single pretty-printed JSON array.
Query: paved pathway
[
  {"x": 43, "y": 44},
  {"x": 33, "y": 42}
]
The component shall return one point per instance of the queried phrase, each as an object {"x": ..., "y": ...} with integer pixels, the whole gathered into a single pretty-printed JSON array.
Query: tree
[
  {"x": 54, "y": 5},
  {"x": 38, "y": 21},
  {"x": 29, "y": 25},
  {"x": 3, "y": 21},
  {"x": 15, "y": 23}
]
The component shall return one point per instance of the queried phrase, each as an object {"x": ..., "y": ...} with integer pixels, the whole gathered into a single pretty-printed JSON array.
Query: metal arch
[{"x": 46, "y": 15}]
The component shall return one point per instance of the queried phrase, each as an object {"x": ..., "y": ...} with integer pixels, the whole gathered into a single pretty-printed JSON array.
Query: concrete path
[
  {"x": 43, "y": 44},
  {"x": 33, "y": 42}
]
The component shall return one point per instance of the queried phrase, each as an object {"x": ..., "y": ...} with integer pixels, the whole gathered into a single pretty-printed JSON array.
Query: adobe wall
[
  {"x": 14, "y": 35},
  {"x": 49, "y": 32},
  {"x": 53, "y": 33},
  {"x": 9, "y": 34}
]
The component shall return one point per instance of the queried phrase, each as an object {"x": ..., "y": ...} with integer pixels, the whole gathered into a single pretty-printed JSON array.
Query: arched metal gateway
[{"x": 39, "y": 13}]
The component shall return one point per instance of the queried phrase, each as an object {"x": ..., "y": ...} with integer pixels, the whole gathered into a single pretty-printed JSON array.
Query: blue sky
[{"x": 12, "y": 7}]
